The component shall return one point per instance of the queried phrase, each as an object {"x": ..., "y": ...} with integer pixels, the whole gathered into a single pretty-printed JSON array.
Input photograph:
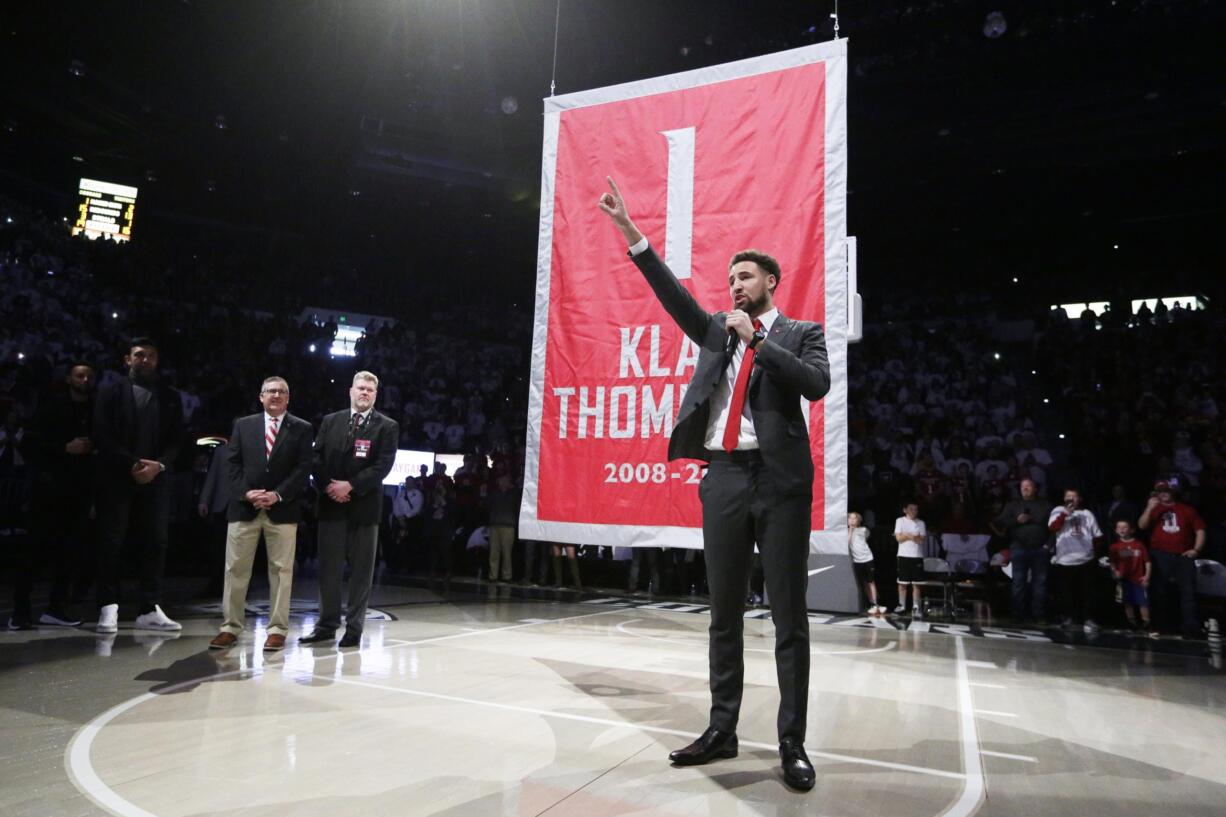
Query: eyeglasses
[{"x": 275, "y": 391}]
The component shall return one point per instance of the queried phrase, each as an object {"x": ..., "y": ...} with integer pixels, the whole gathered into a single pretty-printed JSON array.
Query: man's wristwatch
[{"x": 758, "y": 336}]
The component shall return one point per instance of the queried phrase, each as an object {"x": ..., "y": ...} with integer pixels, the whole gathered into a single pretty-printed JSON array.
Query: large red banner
[{"x": 710, "y": 162}]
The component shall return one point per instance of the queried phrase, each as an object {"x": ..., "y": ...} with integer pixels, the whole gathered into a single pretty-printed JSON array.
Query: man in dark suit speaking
[
  {"x": 268, "y": 460},
  {"x": 354, "y": 450},
  {"x": 742, "y": 414}
]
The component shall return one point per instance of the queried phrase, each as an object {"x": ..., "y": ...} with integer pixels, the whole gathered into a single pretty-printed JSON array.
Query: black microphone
[{"x": 733, "y": 339}]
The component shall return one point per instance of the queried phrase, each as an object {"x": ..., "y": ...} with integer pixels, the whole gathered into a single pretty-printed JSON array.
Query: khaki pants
[
  {"x": 502, "y": 539},
  {"x": 242, "y": 538}
]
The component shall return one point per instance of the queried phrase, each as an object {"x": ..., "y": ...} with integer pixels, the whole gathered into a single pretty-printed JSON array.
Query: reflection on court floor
[{"x": 522, "y": 708}]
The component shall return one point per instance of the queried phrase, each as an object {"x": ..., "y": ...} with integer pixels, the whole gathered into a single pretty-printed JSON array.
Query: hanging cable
[
  {"x": 557, "y": 20},
  {"x": 834, "y": 17}
]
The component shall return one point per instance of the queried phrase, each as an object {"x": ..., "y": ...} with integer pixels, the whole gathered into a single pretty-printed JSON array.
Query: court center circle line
[
  {"x": 80, "y": 767},
  {"x": 83, "y": 774}
]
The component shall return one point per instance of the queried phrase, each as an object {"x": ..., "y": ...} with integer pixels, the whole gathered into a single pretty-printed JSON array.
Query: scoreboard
[{"x": 106, "y": 209}]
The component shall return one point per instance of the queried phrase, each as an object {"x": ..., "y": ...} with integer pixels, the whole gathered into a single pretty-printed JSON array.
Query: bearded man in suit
[
  {"x": 138, "y": 434},
  {"x": 742, "y": 414}
]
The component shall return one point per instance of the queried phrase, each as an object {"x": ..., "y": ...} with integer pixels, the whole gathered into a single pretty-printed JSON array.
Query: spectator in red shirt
[
  {"x": 1130, "y": 565},
  {"x": 1177, "y": 536},
  {"x": 962, "y": 486},
  {"x": 930, "y": 483},
  {"x": 992, "y": 486}
]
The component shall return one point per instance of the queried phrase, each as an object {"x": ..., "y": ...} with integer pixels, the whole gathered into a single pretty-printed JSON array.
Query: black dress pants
[
  {"x": 61, "y": 530},
  {"x": 341, "y": 541},
  {"x": 737, "y": 511},
  {"x": 143, "y": 512},
  {"x": 1075, "y": 583}
]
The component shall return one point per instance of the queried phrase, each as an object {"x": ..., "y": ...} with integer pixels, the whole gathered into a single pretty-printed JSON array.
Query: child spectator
[
  {"x": 1131, "y": 567},
  {"x": 911, "y": 534},
  {"x": 862, "y": 561}
]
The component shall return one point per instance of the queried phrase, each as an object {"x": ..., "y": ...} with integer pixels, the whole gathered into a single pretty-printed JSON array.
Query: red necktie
[
  {"x": 732, "y": 432},
  {"x": 270, "y": 437}
]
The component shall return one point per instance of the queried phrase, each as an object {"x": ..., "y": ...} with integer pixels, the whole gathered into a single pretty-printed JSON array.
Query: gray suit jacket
[{"x": 791, "y": 363}]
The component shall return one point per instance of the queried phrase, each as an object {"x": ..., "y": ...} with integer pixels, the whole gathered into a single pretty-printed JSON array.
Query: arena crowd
[{"x": 1086, "y": 421}]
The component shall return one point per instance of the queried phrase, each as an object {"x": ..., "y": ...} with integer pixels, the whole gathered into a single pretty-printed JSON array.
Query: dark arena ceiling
[{"x": 988, "y": 139}]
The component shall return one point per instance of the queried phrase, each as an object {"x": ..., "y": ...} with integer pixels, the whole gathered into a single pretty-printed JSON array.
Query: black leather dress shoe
[
  {"x": 350, "y": 639},
  {"x": 317, "y": 637},
  {"x": 711, "y": 745},
  {"x": 797, "y": 770}
]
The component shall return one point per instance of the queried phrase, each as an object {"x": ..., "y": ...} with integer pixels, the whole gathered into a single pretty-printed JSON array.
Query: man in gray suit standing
[
  {"x": 354, "y": 450},
  {"x": 268, "y": 462},
  {"x": 742, "y": 414}
]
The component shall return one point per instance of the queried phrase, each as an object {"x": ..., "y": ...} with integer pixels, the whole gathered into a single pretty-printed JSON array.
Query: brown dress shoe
[
  {"x": 274, "y": 642},
  {"x": 222, "y": 641}
]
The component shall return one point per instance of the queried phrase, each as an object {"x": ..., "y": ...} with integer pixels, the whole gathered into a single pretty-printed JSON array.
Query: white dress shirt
[{"x": 721, "y": 400}]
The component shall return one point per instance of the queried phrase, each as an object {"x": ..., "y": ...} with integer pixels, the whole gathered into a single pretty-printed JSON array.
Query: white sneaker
[
  {"x": 878, "y": 610},
  {"x": 900, "y": 609},
  {"x": 157, "y": 620},
  {"x": 55, "y": 621},
  {"x": 1091, "y": 626},
  {"x": 108, "y": 619}
]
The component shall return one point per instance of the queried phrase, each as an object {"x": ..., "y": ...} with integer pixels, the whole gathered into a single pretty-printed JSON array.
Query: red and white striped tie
[{"x": 270, "y": 437}]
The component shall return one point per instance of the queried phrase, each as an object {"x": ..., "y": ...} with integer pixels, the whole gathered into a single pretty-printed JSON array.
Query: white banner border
[{"x": 834, "y": 538}]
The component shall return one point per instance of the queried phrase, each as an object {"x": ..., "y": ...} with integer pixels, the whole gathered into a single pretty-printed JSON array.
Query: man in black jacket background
[
  {"x": 62, "y": 497},
  {"x": 138, "y": 432},
  {"x": 354, "y": 450}
]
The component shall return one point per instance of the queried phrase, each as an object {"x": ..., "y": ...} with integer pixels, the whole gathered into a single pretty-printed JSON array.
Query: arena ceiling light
[{"x": 995, "y": 25}]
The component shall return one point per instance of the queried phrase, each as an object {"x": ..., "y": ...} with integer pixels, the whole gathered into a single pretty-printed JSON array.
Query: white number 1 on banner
[{"x": 679, "y": 217}]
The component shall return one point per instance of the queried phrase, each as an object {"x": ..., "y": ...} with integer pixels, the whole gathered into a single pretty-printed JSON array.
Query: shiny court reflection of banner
[{"x": 746, "y": 154}]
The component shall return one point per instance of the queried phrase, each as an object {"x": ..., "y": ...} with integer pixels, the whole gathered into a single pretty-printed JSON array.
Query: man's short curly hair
[{"x": 768, "y": 264}]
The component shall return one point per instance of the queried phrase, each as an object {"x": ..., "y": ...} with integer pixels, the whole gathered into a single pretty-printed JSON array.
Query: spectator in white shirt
[
  {"x": 453, "y": 434},
  {"x": 1028, "y": 446},
  {"x": 981, "y": 470},
  {"x": 862, "y": 561},
  {"x": 911, "y": 534},
  {"x": 433, "y": 430},
  {"x": 988, "y": 438},
  {"x": 955, "y": 458},
  {"x": 1077, "y": 534}
]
